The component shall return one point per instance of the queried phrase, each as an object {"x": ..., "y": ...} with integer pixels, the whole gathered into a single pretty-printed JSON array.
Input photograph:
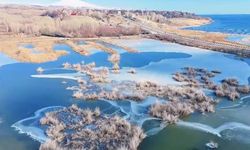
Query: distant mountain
[{"x": 76, "y": 3}]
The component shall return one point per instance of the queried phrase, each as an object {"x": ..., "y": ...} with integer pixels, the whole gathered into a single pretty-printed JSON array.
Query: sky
[{"x": 195, "y": 6}]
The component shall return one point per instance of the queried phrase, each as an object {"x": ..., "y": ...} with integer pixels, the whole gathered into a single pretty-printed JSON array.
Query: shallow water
[
  {"x": 21, "y": 95},
  {"x": 4, "y": 60}
]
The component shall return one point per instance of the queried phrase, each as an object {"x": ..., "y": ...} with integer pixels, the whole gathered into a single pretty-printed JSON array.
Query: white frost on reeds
[
  {"x": 196, "y": 77},
  {"x": 78, "y": 94},
  {"x": 67, "y": 65},
  {"x": 97, "y": 75},
  {"x": 40, "y": 70},
  {"x": 75, "y": 128},
  {"x": 115, "y": 59},
  {"x": 172, "y": 111},
  {"x": 181, "y": 100}
]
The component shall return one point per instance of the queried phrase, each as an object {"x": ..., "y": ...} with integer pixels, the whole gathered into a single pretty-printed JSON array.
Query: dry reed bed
[
  {"x": 44, "y": 52},
  {"x": 95, "y": 74},
  {"x": 62, "y": 22},
  {"x": 76, "y": 128},
  {"x": 43, "y": 47},
  {"x": 201, "y": 78},
  {"x": 181, "y": 101},
  {"x": 93, "y": 131},
  {"x": 16, "y": 24},
  {"x": 84, "y": 23},
  {"x": 89, "y": 45},
  {"x": 98, "y": 87}
]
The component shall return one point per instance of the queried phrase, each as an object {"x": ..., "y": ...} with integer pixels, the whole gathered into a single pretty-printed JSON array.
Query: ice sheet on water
[
  {"x": 30, "y": 125},
  {"x": 71, "y": 76},
  {"x": 229, "y": 131},
  {"x": 201, "y": 58},
  {"x": 161, "y": 72},
  {"x": 135, "y": 112}
]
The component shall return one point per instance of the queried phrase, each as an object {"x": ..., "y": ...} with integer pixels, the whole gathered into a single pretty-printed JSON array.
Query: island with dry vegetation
[
  {"x": 76, "y": 128},
  {"x": 181, "y": 100},
  {"x": 30, "y": 33}
]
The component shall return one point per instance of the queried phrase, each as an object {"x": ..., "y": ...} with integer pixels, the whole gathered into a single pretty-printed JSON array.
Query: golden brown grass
[
  {"x": 16, "y": 21},
  {"x": 187, "y": 22},
  {"x": 11, "y": 46},
  {"x": 74, "y": 26},
  {"x": 28, "y": 24},
  {"x": 43, "y": 47}
]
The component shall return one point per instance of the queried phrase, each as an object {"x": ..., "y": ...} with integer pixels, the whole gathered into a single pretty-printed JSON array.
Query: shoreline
[
  {"x": 173, "y": 30},
  {"x": 210, "y": 21},
  {"x": 50, "y": 26},
  {"x": 44, "y": 44},
  {"x": 46, "y": 52},
  {"x": 230, "y": 48}
]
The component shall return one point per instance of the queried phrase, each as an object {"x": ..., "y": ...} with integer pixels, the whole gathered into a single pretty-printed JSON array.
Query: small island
[{"x": 76, "y": 75}]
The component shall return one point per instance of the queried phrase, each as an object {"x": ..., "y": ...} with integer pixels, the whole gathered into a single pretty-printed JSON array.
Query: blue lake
[
  {"x": 234, "y": 24},
  {"x": 21, "y": 95}
]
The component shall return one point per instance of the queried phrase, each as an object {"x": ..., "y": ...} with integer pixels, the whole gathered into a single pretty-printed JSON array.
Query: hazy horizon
[{"x": 202, "y": 7}]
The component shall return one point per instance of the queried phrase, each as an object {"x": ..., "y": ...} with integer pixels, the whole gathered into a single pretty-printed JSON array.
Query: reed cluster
[{"x": 76, "y": 128}]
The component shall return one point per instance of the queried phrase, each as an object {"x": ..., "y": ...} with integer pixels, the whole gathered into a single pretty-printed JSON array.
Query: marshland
[{"x": 99, "y": 79}]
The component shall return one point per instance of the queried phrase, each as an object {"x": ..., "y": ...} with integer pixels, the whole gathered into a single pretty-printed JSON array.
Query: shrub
[{"x": 89, "y": 130}]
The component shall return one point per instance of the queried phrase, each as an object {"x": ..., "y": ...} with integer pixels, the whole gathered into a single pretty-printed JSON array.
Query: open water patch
[
  {"x": 4, "y": 60},
  {"x": 228, "y": 131}
]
